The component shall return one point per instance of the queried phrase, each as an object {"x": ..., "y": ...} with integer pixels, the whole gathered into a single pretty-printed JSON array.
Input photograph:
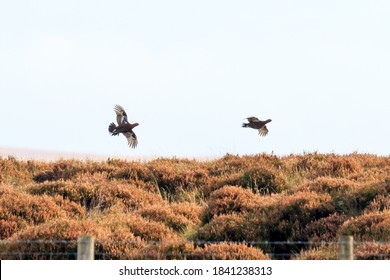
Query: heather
[{"x": 235, "y": 207}]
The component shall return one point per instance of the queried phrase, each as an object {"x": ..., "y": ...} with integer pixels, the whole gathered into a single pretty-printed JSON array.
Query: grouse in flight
[
  {"x": 123, "y": 126},
  {"x": 255, "y": 123}
]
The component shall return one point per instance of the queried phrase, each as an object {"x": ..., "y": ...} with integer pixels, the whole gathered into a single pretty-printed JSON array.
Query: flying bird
[
  {"x": 255, "y": 123},
  {"x": 123, "y": 126}
]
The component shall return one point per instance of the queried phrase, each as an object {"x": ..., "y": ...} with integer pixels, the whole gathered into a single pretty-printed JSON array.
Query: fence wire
[{"x": 123, "y": 249}]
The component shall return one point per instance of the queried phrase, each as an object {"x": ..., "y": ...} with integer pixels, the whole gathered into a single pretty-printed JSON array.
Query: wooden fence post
[
  {"x": 85, "y": 248},
  {"x": 346, "y": 247}
]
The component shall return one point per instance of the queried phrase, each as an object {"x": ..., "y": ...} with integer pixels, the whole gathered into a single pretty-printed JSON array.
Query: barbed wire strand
[{"x": 198, "y": 242}]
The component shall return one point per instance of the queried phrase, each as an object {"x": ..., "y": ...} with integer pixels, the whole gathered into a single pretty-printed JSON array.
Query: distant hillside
[
  {"x": 234, "y": 207},
  {"x": 46, "y": 155}
]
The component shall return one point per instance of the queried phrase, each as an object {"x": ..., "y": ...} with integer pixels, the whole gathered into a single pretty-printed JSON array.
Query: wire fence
[{"x": 104, "y": 250}]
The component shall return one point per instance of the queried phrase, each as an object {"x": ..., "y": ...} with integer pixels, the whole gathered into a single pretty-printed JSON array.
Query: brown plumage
[
  {"x": 123, "y": 126},
  {"x": 255, "y": 123}
]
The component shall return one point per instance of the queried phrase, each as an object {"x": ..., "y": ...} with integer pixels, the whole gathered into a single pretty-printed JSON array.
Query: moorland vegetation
[{"x": 235, "y": 207}]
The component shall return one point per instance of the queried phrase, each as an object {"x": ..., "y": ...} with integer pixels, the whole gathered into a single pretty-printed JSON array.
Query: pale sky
[{"x": 189, "y": 72}]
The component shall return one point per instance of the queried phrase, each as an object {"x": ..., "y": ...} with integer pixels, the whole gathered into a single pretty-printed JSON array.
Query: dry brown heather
[{"x": 179, "y": 208}]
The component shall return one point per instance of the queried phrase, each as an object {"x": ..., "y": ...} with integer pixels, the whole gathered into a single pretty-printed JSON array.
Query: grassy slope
[{"x": 309, "y": 199}]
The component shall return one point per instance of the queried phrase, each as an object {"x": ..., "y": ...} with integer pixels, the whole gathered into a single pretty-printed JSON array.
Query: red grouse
[
  {"x": 123, "y": 126},
  {"x": 255, "y": 123}
]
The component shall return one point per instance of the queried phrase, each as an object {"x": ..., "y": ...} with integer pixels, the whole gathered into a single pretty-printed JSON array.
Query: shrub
[
  {"x": 261, "y": 173},
  {"x": 371, "y": 175},
  {"x": 79, "y": 193},
  {"x": 378, "y": 204},
  {"x": 146, "y": 229},
  {"x": 333, "y": 186},
  {"x": 57, "y": 239},
  {"x": 19, "y": 210},
  {"x": 372, "y": 251},
  {"x": 355, "y": 202},
  {"x": 316, "y": 165},
  {"x": 15, "y": 172},
  {"x": 174, "y": 249},
  {"x": 181, "y": 249},
  {"x": 131, "y": 196},
  {"x": 233, "y": 163},
  {"x": 189, "y": 210},
  {"x": 215, "y": 183},
  {"x": 230, "y": 199},
  {"x": 63, "y": 169},
  {"x": 373, "y": 226},
  {"x": 120, "y": 245},
  {"x": 364, "y": 251},
  {"x": 226, "y": 227},
  {"x": 97, "y": 192},
  {"x": 164, "y": 214},
  {"x": 287, "y": 217},
  {"x": 132, "y": 171},
  {"x": 8, "y": 227},
  {"x": 324, "y": 229},
  {"x": 263, "y": 180},
  {"x": 324, "y": 252},
  {"x": 226, "y": 165},
  {"x": 368, "y": 192},
  {"x": 130, "y": 205},
  {"x": 228, "y": 251},
  {"x": 174, "y": 176}
]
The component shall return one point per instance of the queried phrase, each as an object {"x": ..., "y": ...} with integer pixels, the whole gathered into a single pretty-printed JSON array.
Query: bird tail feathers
[
  {"x": 244, "y": 125},
  {"x": 111, "y": 129}
]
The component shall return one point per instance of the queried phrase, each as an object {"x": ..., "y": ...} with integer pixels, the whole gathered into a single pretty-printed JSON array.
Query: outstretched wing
[
  {"x": 131, "y": 139},
  {"x": 263, "y": 131},
  {"x": 121, "y": 116},
  {"x": 252, "y": 119}
]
